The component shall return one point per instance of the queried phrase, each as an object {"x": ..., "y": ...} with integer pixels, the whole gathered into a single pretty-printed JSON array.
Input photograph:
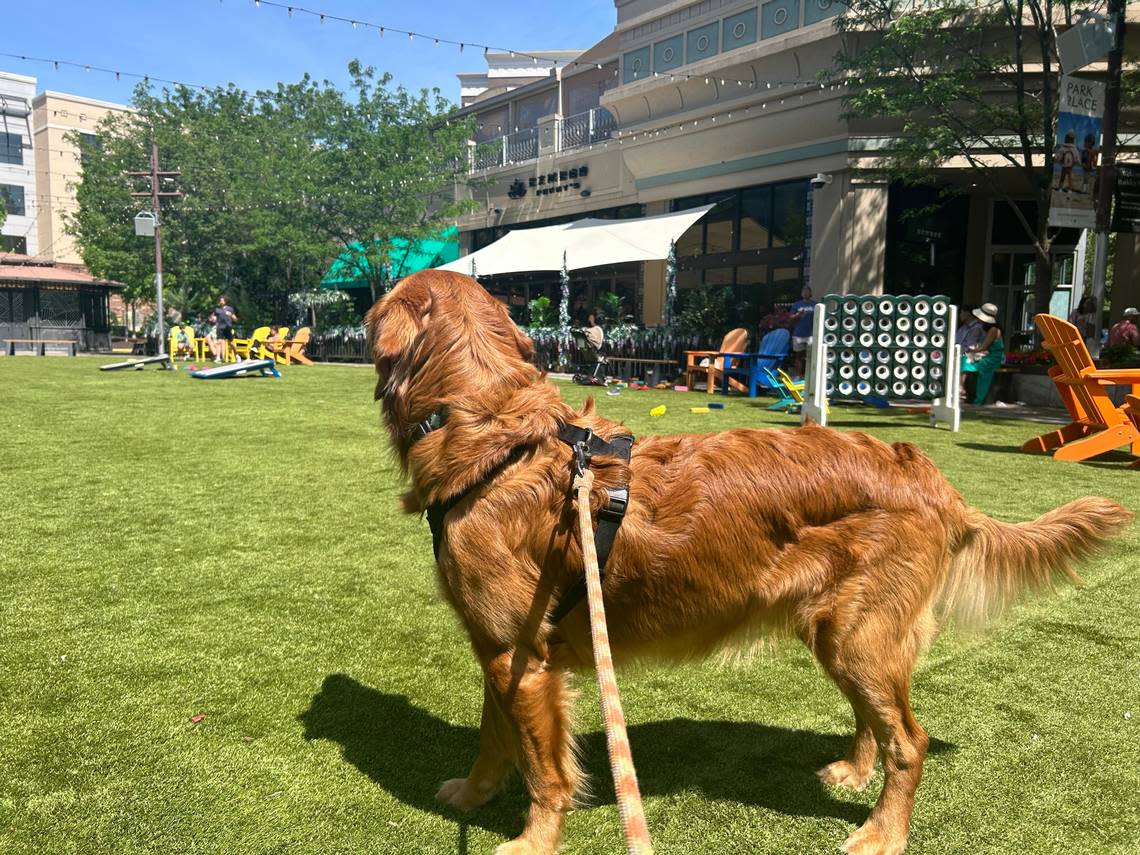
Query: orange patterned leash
[{"x": 621, "y": 758}]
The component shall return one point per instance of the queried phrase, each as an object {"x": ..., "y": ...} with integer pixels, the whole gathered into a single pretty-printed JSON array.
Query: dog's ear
[{"x": 397, "y": 319}]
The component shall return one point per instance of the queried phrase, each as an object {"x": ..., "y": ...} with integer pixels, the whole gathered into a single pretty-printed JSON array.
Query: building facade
[
  {"x": 18, "y": 233},
  {"x": 718, "y": 101},
  {"x": 63, "y": 126}
]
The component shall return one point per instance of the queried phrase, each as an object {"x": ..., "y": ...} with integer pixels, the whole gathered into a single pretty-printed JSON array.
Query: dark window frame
[
  {"x": 11, "y": 148},
  {"x": 15, "y": 205}
]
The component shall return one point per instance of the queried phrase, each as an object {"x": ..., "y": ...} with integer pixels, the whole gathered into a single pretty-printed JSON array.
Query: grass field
[{"x": 171, "y": 548}]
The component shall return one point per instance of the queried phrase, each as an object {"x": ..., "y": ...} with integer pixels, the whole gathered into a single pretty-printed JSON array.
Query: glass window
[
  {"x": 12, "y": 198},
  {"x": 11, "y": 243},
  {"x": 688, "y": 278},
  {"x": 752, "y": 274},
  {"x": 89, "y": 144},
  {"x": 530, "y": 110},
  {"x": 789, "y": 214},
  {"x": 718, "y": 276},
  {"x": 756, "y": 218},
  {"x": 490, "y": 125},
  {"x": 11, "y": 148},
  {"x": 720, "y": 224},
  {"x": 692, "y": 241}
]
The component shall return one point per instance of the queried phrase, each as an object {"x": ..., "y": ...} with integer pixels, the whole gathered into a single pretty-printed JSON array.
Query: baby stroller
[{"x": 590, "y": 370}]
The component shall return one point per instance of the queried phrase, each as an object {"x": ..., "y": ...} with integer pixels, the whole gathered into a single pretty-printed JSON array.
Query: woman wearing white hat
[{"x": 985, "y": 357}]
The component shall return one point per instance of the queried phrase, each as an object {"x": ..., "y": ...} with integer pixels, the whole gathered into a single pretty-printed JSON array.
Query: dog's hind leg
[
  {"x": 869, "y": 630},
  {"x": 535, "y": 701},
  {"x": 495, "y": 760}
]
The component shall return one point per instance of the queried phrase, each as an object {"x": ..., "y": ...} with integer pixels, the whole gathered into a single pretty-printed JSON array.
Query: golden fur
[{"x": 858, "y": 547}]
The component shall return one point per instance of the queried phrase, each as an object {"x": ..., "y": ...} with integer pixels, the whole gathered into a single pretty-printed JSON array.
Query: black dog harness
[{"x": 585, "y": 445}]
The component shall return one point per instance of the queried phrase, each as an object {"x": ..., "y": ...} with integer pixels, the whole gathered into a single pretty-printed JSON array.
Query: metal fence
[
  {"x": 586, "y": 128},
  {"x": 521, "y": 146},
  {"x": 551, "y": 353}
]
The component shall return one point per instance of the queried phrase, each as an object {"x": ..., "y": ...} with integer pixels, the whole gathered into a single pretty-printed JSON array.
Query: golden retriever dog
[{"x": 858, "y": 547}]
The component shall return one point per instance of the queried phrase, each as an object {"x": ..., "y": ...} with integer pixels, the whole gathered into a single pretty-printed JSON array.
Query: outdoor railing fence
[
  {"x": 594, "y": 125},
  {"x": 521, "y": 146},
  {"x": 551, "y": 352},
  {"x": 586, "y": 128}
]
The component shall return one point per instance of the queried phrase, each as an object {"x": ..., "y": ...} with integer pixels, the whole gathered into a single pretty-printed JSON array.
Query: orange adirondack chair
[
  {"x": 1098, "y": 425},
  {"x": 1132, "y": 410},
  {"x": 736, "y": 341}
]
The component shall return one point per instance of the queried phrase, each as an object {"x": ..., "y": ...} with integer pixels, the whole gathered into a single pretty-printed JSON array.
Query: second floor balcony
[{"x": 559, "y": 133}]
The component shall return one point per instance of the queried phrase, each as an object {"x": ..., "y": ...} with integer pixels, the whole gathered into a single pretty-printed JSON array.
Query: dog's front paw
[
  {"x": 869, "y": 839},
  {"x": 843, "y": 773},
  {"x": 517, "y": 847},
  {"x": 460, "y": 793}
]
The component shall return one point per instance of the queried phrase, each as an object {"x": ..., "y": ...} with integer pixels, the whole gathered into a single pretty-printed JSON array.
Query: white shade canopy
[{"x": 584, "y": 243}]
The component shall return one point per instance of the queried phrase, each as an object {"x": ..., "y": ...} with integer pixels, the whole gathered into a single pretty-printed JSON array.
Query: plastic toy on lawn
[
  {"x": 878, "y": 349},
  {"x": 262, "y": 367},
  {"x": 162, "y": 361}
]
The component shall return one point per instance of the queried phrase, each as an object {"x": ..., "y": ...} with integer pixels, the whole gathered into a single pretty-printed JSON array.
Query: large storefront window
[
  {"x": 1013, "y": 271},
  {"x": 926, "y": 242},
  {"x": 753, "y": 242}
]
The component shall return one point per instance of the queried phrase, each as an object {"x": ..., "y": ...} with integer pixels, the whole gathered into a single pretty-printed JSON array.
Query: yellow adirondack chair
[
  {"x": 269, "y": 350},
  {"x": 1098, "y": 425},
  {"x": 172, "y": 346},
  {"x": 294, "y": 349},
  {"x": 736, "y": 341},
  {"x": 243, "y": 347}
]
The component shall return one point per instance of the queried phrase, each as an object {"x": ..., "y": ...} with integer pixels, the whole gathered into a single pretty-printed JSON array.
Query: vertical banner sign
[
  {"x": 1077, "y": 154},
  {"x": 1126, "y": 211}
]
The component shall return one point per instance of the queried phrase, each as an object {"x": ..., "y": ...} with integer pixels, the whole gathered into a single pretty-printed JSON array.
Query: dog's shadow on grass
[{"x": 410, "y": 752}]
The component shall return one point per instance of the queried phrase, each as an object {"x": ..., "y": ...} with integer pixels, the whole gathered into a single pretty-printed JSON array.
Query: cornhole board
[
  {"x": 263, "y": 367},
  {"x": 139, "y": 363}
]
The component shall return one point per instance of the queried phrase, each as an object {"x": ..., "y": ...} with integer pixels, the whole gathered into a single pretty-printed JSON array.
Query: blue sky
[{"x": 211, "y": 42}]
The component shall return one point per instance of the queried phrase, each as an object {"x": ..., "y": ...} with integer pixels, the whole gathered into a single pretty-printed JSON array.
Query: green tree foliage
[
  {"x": 969, "y": 81},
  {"x": 275, "y": 184}
]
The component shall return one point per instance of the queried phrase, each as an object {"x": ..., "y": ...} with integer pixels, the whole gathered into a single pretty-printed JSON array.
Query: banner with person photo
[{"x": 1076, "y": 156}]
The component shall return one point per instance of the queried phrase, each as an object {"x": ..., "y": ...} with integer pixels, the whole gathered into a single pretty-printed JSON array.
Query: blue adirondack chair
[{"x": 748, "y": 368}]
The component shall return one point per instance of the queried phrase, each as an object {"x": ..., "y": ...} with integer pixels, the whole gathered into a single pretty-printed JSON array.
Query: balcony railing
[
  {"x": 586, "y": 128},
  {"x": 571, "y": 132}
]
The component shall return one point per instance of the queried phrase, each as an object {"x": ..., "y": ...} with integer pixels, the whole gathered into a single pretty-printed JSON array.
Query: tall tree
[
  {"x": 275, "y": 184},
  {"x": 968, "y": 83},
  {"x": 388, "y": 162}
]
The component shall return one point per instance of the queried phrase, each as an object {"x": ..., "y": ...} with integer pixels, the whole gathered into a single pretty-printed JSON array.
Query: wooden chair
[
  {"x": 735, "y": 341},
  {"x": 243, "y": 347},
  {"x": 294, "y": 349},
  {"x": 1097, "y": 425},
  {"x": 1132, "y": 410},
  {"x": 751, "y": 368},
  {"x": 270, "y": 349}
]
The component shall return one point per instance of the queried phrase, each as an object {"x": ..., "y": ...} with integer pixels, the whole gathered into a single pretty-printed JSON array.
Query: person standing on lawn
[
  {"x": 224, "y": 318},
  {"x": 804, "y": 311}
]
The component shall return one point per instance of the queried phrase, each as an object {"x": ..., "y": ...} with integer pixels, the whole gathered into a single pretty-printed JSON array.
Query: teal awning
[{"x": 405, "y": 257}]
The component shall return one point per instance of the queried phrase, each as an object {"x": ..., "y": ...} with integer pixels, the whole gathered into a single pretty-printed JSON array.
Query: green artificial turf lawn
[{"x": 172, "y": 548}]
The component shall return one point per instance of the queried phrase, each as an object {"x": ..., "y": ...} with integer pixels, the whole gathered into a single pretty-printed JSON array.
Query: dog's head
[{"x": 437, "y": 338}]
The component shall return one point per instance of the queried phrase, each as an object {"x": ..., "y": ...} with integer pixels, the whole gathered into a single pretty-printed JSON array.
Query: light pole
[{"x": 154, "y": 227}]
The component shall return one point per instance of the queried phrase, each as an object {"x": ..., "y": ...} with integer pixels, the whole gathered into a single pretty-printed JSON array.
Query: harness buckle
[
  {"x": 615, "y": 508},
  {"x": 582, "y": 453}
]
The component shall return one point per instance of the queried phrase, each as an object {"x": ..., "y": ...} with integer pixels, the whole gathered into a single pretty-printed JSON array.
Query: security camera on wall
[{"x": 820, "y": 181}]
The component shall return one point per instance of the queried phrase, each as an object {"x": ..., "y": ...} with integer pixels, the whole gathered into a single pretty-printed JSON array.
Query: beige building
[
  {"x": 58, "y": 160},
  {"x": 717, "y": 101}
]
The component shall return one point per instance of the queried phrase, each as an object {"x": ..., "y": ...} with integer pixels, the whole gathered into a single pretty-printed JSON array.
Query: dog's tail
[{"x": 994, "y": 562}]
